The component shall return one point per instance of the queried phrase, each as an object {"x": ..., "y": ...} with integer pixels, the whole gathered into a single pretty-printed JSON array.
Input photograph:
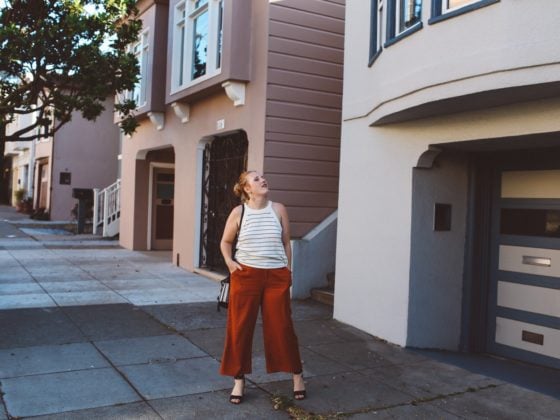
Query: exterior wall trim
[
  {"x": 157, "y": 119},
  {"x": 182, "y": 111},
  {"x": 235, "y": 91},
  {"x": 377, "y": 116}
]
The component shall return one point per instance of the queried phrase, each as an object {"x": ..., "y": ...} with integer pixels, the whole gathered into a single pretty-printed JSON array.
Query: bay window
[
  {"x": 409, "y": 13},
  {"x": 403, "y": 18},
  {"x": 197, "y": 41},
  {"x": 454, "y": 4},
  {"x": 444, "y": 9},
  {"x": 140, "y": 51}
]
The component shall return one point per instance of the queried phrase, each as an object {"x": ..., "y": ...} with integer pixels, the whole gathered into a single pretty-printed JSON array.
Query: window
[
  {"x": 197, "y": 42},
  {"x": 454, "y": 4},
  {"x": 403, "y": 18},
  {"x": 140, "y": 51},
  {"x": 376, "y": 28},
  {"x": 409, "y": 13},
  {"x": 444, "y": 9}
]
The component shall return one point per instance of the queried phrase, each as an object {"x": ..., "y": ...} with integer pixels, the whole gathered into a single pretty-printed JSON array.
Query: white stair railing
[{"x": 107, "y": 209}]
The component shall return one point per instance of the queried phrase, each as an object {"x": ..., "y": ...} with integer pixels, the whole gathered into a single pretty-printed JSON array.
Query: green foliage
[
  {"x": 61, "y": 56},
  {"x": 19, "y": 194}
]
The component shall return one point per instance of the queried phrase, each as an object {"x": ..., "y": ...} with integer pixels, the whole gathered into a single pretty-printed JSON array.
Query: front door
[
  {"x": 225, "y": 158},
  {"x": 163, "y": 193},
  {"x": 43, "y": 186},
  {"x": 524, "y": 298}
]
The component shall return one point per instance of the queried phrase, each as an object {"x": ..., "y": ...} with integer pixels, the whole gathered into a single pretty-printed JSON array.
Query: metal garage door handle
[{"x": 540, "y": 261}]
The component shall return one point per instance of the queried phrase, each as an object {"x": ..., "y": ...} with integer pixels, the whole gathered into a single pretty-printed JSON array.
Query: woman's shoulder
[
  {"x": 236, "y": 212},
  {"x": 280, "y": 210}
]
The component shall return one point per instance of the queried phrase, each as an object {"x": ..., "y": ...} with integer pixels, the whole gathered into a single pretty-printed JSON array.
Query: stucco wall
[
  {"x": 375, "y": 207},
  {"x": 509, "y": 43},
  {"x": 313, "y": 258},
  {"x": 505, "y": 46},
  {"x": 88, "y": 150}
]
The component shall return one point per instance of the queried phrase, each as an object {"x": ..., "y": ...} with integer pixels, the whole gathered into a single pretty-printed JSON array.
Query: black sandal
[
  {"x": 300, "y": 395},
  {"x": 238, "y": 399}
]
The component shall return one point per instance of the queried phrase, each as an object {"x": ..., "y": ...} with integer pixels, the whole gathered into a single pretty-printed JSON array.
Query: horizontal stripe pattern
[{"x": 259, "y": 243}]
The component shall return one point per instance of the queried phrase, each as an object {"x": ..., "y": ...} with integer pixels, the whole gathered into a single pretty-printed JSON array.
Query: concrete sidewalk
[
  {"x": 103, "y": 333},
  {"x": 18, "y": 231}
]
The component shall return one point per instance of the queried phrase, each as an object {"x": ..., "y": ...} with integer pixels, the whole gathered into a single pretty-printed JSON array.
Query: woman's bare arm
[
  {"x": 285, "y": 222},
  {"x": 226, "y": 244}
]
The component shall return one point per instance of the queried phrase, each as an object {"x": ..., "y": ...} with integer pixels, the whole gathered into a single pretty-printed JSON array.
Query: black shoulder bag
[{"x": 223, "y": 296}]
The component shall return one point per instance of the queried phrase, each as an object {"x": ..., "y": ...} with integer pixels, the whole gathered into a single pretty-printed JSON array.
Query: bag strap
[
  {"x": 241, "y": 219},
  {"x": 234, "y": 245}
]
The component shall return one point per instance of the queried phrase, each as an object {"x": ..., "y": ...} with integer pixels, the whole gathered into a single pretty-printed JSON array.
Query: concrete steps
[{"x": 325, "y": 294}]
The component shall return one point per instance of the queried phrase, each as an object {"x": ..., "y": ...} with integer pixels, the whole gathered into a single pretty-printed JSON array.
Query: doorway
[
  {"x": 162, "y": 205},
  {"x": 43, "y": 186},
  {"x": 224, "y": 159}
]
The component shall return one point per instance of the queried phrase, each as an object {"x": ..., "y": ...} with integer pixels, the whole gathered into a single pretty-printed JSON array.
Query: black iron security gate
[{"x": 224, "y": 159}]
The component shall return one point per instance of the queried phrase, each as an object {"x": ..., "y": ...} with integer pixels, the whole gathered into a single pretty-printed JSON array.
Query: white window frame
[
  {"x": 182, "y": 52},
  {"x": 446, "y": 9},
  {"x": 141, "y": 50}
]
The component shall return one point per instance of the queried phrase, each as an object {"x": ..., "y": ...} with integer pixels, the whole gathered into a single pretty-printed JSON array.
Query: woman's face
[{"x": 256, "y": 184}]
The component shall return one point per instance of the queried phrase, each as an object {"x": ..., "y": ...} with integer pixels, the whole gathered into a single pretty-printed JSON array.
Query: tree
[{"x": 61, "y": 56}]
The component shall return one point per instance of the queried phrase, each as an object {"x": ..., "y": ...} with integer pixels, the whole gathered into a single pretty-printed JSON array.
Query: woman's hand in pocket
[{"x": 233, "y": 266}]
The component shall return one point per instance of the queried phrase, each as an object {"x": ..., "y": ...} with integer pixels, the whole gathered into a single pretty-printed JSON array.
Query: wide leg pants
[{"x": 268, "y": 289}]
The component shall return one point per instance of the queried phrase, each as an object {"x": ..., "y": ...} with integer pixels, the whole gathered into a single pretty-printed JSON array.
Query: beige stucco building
[
  {"x": 81, "y": 154},
  {"x": 450, "y": 179},
  {"x": 229, "y": 85}
]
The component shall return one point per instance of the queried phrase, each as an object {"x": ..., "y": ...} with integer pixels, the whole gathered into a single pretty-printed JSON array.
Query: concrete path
[{"x": 99, "y": 332}]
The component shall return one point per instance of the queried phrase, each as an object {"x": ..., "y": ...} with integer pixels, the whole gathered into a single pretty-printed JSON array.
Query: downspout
[
  {"x": 31, "y": 170},
  {"x": 51, "y": 164}
]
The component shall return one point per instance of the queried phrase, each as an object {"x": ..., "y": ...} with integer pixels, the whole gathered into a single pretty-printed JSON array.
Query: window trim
[
  {"x": 376, "y": 30},
  {"x": 438, "y": 14},
  {"x": 182, "y": 48},
  {"x": 392, "y": 37}
]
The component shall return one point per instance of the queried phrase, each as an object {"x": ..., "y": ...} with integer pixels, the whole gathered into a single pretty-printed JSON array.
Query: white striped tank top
[{"x": 259, "y": 243}]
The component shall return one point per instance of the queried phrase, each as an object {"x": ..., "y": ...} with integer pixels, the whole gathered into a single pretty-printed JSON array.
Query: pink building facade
[{"x": 228, "y": 86}]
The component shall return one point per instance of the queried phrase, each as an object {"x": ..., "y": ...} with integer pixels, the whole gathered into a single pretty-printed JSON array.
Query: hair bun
[{"x": 237, "y": 189}]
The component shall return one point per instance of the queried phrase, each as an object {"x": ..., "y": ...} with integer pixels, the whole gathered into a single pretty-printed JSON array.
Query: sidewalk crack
[{"x": 283, "y": 403}]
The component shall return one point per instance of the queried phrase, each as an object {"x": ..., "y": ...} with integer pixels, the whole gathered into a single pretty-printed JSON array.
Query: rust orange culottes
[{"x": 268, "y": 289}]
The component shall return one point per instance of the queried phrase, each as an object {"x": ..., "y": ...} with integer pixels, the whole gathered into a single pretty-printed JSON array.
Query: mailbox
[
  {"x": 85, "y": 198},
  {"x": 82, "y": 193}
]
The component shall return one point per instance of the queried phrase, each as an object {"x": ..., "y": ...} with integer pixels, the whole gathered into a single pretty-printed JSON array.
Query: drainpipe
[
  {"x": 31, "y": 170},
  {"x": 51, "y": 177}
]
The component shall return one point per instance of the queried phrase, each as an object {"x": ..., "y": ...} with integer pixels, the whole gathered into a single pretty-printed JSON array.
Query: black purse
[{"x": 223, "y": 296}]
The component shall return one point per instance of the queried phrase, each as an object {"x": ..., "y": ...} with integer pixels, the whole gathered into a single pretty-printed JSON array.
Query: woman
[{"x": 260, "y": 277}]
